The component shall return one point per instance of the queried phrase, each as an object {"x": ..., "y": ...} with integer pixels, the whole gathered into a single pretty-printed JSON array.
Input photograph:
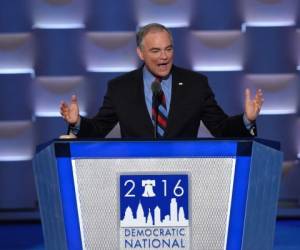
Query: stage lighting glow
[
  {"x": 15, "y": 71},
  {"x": 41, "y": 113},
  {"x": 218, "y": 68},
  {"x": 275, "y": 23},
  {"x": 16, "y": 157},
  {"x": 110, "y": 69},
  {"x": 283, "y": 111},
  {"x": 168, "y": 23},
  {"x": 45, "y": 25}
]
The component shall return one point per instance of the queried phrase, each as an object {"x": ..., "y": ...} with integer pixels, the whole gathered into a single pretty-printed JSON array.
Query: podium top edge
[{"x": 243, "y": 145}]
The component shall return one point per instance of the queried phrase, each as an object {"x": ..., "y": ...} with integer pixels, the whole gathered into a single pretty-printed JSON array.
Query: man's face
[{"x": 157, "y": 53}]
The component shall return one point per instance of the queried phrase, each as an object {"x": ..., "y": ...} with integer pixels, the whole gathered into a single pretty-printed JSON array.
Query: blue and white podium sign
[
  {"x": 154, "y": 211},
  {"x": 203, "y": 194}
]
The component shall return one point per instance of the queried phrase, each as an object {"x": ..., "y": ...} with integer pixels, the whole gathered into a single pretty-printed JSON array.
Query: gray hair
[{"x": 143, "y": 31}]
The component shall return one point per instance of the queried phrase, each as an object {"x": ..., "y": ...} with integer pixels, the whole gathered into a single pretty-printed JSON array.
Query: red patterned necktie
[{"x": 159, "y": 113}]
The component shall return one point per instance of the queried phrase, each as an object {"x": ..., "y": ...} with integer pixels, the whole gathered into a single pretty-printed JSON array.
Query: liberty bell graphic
[{"x": 148, "y": 185}]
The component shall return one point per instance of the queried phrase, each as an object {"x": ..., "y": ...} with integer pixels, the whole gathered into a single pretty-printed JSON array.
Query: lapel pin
[{"x": 180, "y": 83}]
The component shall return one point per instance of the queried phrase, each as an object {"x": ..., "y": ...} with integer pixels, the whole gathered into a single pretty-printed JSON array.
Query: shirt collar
[{"x": 149, "y": 77}]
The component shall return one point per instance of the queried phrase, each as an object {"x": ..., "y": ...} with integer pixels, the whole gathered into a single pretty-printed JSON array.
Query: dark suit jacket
[{"x": 191, "y": 102}]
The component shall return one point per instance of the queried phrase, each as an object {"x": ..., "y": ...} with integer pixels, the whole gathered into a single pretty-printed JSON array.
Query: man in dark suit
[{"x": 184, "y": 99}]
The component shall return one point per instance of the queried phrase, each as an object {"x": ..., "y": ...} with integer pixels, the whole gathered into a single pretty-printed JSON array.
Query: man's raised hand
[
  {"x": 70, "y": 112},
  {"x": 253, "y": 106}
]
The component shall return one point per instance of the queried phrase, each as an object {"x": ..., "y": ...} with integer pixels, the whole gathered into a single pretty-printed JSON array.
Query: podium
[{"x": 197, "y": 194}]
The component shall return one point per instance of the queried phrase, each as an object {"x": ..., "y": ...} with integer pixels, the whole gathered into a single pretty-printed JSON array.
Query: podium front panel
[
  {"x": 212, "y": 177},
  {"x": 193, "y": 195},
  {"x": 98, "y": 188}
]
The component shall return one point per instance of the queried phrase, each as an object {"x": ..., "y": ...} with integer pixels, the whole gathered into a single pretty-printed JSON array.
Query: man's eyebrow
[
  {"x": 154, "y": 48},
  {"x": 168, "y": 47}
]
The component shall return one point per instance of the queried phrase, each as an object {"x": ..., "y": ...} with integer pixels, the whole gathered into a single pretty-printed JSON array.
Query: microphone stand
[
  {"x": 156, "y": 90},
  {"x": 155, "y": 100}
]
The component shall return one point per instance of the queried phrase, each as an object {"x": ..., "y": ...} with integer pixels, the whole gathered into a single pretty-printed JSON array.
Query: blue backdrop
[{"x": 51, "y": 49}]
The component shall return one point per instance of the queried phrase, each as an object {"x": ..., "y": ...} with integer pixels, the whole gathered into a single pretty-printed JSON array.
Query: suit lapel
[
  {"x": 175, "y": 98},
  {"x": 142, "y": 111}
]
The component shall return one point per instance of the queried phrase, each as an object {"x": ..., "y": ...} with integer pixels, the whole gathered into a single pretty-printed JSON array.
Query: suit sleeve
[
  {"x": 104, "y": 121},
  {"x": 218, "y": 122}
]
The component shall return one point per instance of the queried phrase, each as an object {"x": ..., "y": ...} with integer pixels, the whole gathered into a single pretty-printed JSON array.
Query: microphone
[
  {"x": 156, "y": 96},
  {"x": 156, "y": 87}
]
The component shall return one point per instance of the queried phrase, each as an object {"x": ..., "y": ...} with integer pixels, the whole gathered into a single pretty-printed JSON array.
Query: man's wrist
[
  {"x": 247, "y": 122},
  {"x": 74, "y": 128},
  {"x": 250, "y": 125},
  {"x": 77, "y": 123}
]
